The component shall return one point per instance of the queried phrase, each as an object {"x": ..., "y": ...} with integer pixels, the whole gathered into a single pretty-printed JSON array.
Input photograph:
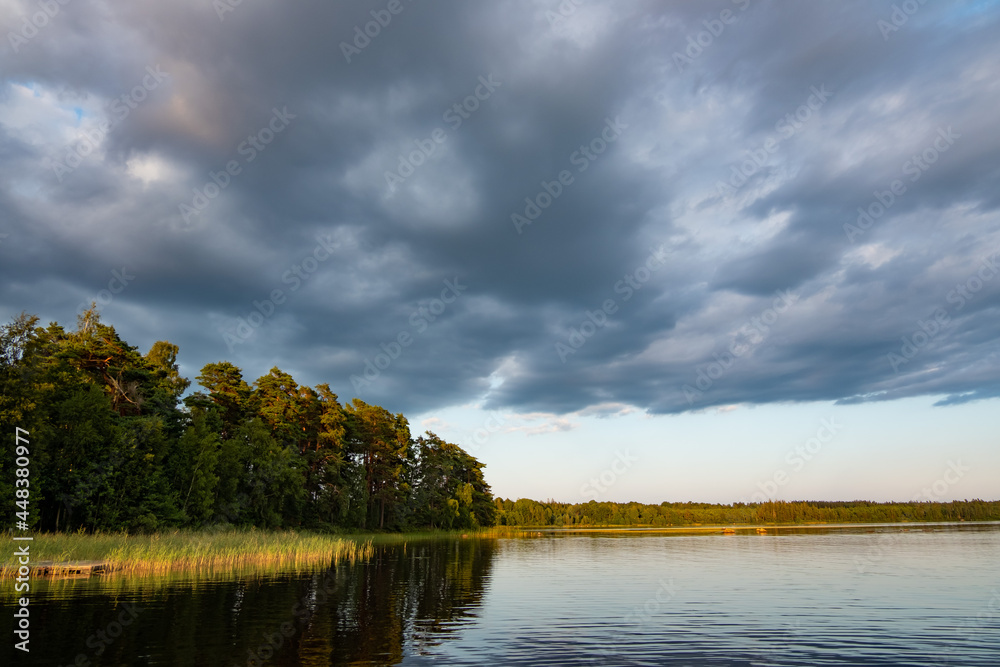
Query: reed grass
[
  {"x": 232, "y": 551},
  {"x": 161, "y": 553},
  {"x": 488, "y": 532}
]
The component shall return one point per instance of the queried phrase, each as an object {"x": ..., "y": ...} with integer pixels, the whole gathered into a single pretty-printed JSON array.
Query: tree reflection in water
[
  {"x": 414, "y": 595},
  {"x": 407, "y": 599}
]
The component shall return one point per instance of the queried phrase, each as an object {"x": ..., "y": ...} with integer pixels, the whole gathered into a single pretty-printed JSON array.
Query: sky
[{"x": 712, "y": 251}]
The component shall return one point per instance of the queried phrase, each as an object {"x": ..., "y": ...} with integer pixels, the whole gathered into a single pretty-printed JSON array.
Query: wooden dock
[{"x": 81, "y": 568}]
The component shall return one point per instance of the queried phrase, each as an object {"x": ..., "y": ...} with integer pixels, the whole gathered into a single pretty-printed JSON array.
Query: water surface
[{"x": 873, "y": 595}]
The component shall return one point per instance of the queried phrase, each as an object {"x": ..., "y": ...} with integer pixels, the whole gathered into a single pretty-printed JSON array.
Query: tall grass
[
  {"x": 161, "y": 553},
  {"x": 244, "y": 551},
  {"x": 501, "y": 531},
  {"x": 439, "y": 534}
]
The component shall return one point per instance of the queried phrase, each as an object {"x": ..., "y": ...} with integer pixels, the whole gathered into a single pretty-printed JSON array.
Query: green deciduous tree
[
  {"x": 116, "y": 445},
  {"x": 194, "y": 468},
  {"x": 450, "y": 491}
]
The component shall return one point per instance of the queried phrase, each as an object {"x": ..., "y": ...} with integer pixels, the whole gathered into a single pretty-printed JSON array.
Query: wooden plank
[{"x": 69, "y": 569}]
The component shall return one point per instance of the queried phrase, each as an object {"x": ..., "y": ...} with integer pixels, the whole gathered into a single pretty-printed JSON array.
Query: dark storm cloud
[{"x": 361, "y": 260}]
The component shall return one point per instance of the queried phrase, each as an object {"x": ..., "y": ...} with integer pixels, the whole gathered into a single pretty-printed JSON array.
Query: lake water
[{"x": 923, "y": 595}]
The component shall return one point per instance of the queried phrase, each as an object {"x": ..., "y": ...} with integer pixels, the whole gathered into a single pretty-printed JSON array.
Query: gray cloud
[{"x": 323, "y": 177}]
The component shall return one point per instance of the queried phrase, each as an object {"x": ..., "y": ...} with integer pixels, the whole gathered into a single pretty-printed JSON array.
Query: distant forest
[
  {"x": 531, "y": 513},
  {"x": 114, "y": 446}
]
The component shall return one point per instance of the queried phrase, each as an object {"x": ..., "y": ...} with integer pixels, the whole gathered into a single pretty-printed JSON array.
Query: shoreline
[
  {"x": 55, "y": 555},
  {"x": 707, "y": 528},
  {"x": 63, "y": 556}
]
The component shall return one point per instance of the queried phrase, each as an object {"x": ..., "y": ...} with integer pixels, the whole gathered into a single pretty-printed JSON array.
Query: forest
[
  {"x": 115, "y": 444},
  {"x": 525, "y": 512},
  {"x": 118, "y": 443}
]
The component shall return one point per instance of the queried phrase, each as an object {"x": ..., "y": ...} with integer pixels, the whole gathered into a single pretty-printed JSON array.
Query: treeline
[
  {"x": 525, "y": 512},
  {"x": 115, "y": 447}
]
